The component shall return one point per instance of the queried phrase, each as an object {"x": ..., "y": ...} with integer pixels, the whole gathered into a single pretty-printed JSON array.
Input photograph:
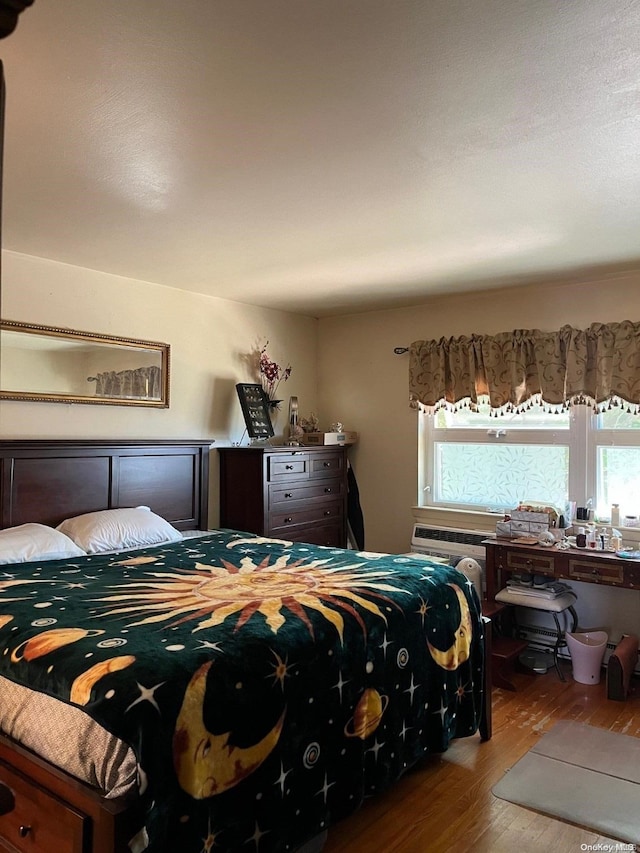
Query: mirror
[{"x": 44, "y": 363}]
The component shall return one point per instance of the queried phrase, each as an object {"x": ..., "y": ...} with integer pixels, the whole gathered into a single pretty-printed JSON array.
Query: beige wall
[
  {"x": 363, "y": 384},
  {"x": 344, "y": 367},
  {"x": 209, "y": 338}
]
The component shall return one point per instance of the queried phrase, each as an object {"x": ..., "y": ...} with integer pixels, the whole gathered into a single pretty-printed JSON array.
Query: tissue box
[{"x": 316, "y": 438}]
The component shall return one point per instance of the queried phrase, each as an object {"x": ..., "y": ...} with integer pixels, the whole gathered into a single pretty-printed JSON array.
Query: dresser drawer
[
  {"x": 326, "y": 464},
  {"x": 583, "y": 569},
  {"x": 281, "y": 496},
  {"x": 330, "y": 535},
  {"x": 288, "y": 466},
  {"x": 38, "y": 821},
  {"x": 322, "y": 513},
  {"x": 526, "y": 561}
]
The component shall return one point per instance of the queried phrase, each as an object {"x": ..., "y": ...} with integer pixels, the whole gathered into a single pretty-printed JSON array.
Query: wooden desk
[
  {"x": 505, "y": 557},
  {"x": 602, "y": 567}
]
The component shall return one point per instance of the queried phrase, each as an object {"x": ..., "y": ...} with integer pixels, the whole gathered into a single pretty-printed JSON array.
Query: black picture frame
[{"x": 254, "y": 403}]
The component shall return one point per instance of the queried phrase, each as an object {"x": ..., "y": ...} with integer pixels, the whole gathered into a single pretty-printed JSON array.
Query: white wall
[{"x": 210, "y": 340}]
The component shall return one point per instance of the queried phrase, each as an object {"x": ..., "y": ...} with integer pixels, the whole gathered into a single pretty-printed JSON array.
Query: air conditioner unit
[
  {"x": 452, "y": 544},
  {"x": 449, "y": 542}
]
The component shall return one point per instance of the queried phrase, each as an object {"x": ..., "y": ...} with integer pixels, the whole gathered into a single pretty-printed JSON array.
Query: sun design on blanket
[{"x": 210, "y": 594}]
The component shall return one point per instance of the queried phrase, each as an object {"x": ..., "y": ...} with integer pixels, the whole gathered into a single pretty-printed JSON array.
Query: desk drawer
[
  {"x": 38, "y": 821},
  {"x": 528, "y": 561},
  {"x": 596, "y": 571}
]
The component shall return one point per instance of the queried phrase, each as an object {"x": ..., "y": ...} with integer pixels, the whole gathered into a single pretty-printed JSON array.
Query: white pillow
[
  {"x": 29, "y": 542},
  {"x": 115, "y": 529}
]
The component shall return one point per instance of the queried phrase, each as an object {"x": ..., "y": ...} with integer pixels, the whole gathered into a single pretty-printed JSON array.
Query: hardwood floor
[{"x": 446, "y": 804}]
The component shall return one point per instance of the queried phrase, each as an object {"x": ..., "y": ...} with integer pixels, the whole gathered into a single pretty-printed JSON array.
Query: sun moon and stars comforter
[{"x": 266, "y": 687}]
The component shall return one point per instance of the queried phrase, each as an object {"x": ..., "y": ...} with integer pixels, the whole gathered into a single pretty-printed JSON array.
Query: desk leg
[
  {"x": 486, "y": 721},
  {"x": 560, "y": 641}
]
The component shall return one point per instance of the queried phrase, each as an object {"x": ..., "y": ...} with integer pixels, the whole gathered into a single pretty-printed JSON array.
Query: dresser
[{"x": 299, "y": 494}]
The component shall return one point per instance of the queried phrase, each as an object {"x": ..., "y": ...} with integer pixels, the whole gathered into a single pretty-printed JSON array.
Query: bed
[{"x": 224, "y": 691}]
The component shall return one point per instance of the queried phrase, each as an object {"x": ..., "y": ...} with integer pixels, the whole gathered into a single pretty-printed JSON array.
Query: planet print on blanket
[{"x": 367, "y": 715}]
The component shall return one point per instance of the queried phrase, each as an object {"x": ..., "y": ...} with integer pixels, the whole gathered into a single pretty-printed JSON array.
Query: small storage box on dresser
[{"x": 286, "y": 493}]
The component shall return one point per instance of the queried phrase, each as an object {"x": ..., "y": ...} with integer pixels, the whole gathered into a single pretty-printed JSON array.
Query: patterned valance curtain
[
  {"x": 142, "y": 383},
  {"x": 599, "y": 366}
]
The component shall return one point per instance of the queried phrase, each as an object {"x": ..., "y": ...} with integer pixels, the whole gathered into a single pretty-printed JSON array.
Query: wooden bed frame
[{"x": 43, "y": 809}]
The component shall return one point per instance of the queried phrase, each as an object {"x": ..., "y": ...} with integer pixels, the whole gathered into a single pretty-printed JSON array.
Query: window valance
[{"x": 599, "y": 366}]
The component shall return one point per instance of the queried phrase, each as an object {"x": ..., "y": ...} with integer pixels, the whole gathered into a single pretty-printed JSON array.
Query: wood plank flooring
[{"x": 446, "y": 804}]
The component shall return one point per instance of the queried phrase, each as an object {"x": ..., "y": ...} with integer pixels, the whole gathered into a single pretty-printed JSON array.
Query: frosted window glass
[{"x": 493, "y": 476}]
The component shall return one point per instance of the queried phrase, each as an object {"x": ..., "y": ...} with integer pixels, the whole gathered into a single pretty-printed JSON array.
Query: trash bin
[{"x": 587, "y": 650}]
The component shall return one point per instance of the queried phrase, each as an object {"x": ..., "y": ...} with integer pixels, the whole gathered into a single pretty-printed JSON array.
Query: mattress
[{"x": 68, "y": 738}]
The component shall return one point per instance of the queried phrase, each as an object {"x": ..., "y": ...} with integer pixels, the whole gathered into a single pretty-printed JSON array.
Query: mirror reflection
[{"x": 67, "y": 366}]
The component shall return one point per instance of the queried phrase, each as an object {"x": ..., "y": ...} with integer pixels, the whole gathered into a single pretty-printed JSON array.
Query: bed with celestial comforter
[{"x": 265, "y": 687}]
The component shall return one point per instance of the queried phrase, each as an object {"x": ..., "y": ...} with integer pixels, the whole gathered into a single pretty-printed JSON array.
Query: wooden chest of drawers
[{"x": 284, "y": 492}]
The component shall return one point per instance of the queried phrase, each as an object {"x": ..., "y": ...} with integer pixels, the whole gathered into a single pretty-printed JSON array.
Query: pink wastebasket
[{"x": 587, "y": 650}]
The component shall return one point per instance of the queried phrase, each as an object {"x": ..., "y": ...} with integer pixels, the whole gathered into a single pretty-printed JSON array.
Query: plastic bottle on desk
[{"x": 615, "y": 515}]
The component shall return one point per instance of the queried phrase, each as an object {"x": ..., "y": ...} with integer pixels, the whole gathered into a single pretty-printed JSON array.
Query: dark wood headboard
[{"x": 48, "y": 481}]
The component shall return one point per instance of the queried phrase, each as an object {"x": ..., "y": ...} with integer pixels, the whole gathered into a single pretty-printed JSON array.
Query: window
[
  {"x": 615, "y": 447},
  {"x": 471, "y": 460}
]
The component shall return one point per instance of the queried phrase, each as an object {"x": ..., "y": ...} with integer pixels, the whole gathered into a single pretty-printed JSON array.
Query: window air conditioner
[{"x": 449, "y": 542}]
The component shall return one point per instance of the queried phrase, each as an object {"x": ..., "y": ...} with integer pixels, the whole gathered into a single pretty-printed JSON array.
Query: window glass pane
[
  {"x": 498, "y": 477},
  {"x": 534, "y": 418},
  {"x": 619, "y": 479},
  {"x": 618, "y": 418}
]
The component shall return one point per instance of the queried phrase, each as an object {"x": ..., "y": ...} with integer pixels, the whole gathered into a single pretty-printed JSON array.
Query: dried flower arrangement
[{"x": 271, "y": 375}]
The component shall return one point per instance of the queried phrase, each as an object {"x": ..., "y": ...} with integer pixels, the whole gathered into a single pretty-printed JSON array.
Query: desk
[
  {"x": 587, "y": 566},
  {"x": 601, "y": 567}
]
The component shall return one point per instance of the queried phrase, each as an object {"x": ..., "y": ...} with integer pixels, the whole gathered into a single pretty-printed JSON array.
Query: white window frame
[
  {"x": 600, "y": 437},
  {"x": 581, "y": 438}
]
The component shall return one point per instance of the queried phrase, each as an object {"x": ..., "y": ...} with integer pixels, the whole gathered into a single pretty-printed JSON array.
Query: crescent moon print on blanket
[
  {"x": 458, "y": 652},
  {"x": 208, "y": 764}
]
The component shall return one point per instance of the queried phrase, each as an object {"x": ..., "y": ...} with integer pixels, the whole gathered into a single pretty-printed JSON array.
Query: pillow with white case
[
  {"x": 30, "y": 542},
  {"x": 118, "y": 529}
]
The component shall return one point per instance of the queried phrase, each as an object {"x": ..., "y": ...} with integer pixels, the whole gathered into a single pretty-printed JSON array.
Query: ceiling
[{"x": 325, "y": 156}]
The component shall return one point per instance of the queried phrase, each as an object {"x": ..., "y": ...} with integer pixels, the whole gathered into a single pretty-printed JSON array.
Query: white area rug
[{"x": 581, "y": 774}]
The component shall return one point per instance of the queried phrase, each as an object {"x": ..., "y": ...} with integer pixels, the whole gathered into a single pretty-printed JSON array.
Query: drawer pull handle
[
  {"x": 288, "y": 495},
  {"x": 327, "y": 464},
  {"x": 288, "y": 520},
  {"x": 595, "y": 572},
  {"x": 288, "y": 467},
  {"x": 24, "y": 831},
  {"x": 327, "y": 491},
  {"x": 327, "y": 512}
]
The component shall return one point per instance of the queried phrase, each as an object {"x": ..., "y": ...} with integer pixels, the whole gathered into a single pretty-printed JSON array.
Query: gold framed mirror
[{"x": 49, "y": 364}]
